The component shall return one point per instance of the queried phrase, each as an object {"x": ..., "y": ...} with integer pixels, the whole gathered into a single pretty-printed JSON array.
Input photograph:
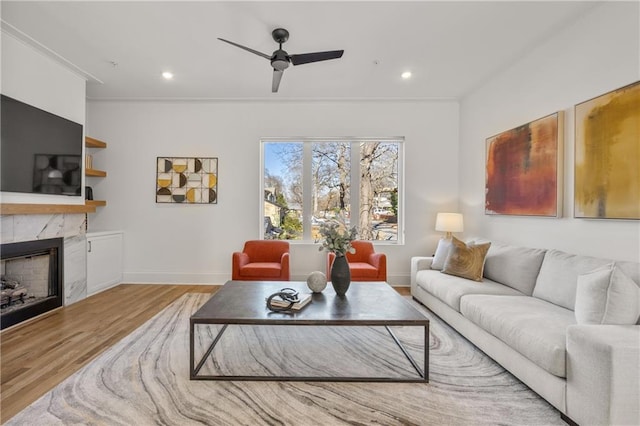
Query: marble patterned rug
[{"x": 144, "y": 379}]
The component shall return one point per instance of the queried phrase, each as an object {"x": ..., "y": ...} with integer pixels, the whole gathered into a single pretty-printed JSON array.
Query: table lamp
[{"x": 449, "y": 223}]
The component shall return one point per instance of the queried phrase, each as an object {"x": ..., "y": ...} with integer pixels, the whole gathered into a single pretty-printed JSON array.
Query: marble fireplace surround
[{"x": 70, "y": 226}]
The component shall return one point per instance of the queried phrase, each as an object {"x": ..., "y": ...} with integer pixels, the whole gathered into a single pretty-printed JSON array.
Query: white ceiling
[{"x": 450, "y": 47}]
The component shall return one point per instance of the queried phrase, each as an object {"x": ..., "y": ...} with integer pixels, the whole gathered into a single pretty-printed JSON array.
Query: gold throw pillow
[{"x": 466, "y": 260}]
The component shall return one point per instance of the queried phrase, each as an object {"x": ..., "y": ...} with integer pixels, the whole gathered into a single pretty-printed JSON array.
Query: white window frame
[{"x": 354, "y": 187}]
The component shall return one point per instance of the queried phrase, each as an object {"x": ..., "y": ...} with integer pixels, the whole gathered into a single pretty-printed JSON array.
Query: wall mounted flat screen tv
[{"x": 40, "y": 152}]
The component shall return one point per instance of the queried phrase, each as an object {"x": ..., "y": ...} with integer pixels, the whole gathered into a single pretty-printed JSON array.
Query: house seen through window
[{"x": 309, "y": 181}]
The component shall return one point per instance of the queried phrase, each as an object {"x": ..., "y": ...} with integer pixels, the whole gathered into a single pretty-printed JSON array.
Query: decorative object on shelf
[
  {"x": 317, "y": 281},
  {"x": 88, "y": 193},
  {"x": 337, "y": 238},
  {"x": 448, "y": 223},
  {"x": 188, "y": 180},
  {"x": 524, "y": 169},
  {"x": 607, "y": 155}
]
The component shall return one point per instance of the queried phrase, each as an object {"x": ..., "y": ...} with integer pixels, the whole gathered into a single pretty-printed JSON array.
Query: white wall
[
  {"x": 594, "y": 55},
  {"x": 36, "y": 79},
  {"x": 193, "y": 243}
]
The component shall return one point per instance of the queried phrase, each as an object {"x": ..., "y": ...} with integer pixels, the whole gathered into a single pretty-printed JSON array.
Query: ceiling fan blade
[
  {"x": 306, "y": 58},
  {"x": 277, "y": 76},
  {"x": 248, "y": 49}
]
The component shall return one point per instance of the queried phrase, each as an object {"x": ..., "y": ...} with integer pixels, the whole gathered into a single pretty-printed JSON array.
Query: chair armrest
[
  {"x": 379, "y": 261},
  {"x": 375, "y": 259},
  {"x": 603, "y": 371},
  {"x": 284, "y": 265},
  {"x": 419, "y": 263},
  {"x": 238, "y": 260}
]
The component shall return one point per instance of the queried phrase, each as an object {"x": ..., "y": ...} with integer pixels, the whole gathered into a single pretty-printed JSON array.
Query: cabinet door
[{"x": 104, "y": 262}]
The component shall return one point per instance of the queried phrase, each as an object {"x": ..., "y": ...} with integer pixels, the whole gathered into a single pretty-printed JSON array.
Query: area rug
[{"x": 144, "y": 380}]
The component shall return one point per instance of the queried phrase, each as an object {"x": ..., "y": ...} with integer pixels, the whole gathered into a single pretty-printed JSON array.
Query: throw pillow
[
  {"x": 466, "y": 260},
  {"x": 607, "y": 296},
  {"x": 442, "y": 251}
]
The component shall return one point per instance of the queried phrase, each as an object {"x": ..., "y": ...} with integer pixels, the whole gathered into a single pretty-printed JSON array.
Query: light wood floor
[
  {"x": 35, "y": 357},
  {"x": 40, "y": 354}
]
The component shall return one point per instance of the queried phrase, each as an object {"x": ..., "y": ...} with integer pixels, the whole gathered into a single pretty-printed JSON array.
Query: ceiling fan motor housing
[{"x": 280, "y": 60}]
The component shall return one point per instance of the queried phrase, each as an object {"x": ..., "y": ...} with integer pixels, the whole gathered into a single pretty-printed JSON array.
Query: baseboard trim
[
  {"x": 217, "y": 278},
  {"x": 179, "y": 278}
]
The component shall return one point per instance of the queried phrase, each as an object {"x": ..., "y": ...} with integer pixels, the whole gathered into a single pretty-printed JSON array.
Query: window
[{"x": 308, "y": 181}]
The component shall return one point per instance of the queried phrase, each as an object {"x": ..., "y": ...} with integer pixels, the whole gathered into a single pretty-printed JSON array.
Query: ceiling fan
[{"x": 280, "y": 59}]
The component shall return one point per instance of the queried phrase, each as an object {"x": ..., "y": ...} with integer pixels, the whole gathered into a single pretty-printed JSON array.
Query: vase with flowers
[{"x": 336, "y": 239}]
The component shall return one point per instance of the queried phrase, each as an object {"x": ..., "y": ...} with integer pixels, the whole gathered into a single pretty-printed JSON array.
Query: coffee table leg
[
  {"x": 191, "y": 349},
  {"x": 408, "y": 355},
  {"x": 206, "y": 355},
  {"x": 426, "y": 353}
]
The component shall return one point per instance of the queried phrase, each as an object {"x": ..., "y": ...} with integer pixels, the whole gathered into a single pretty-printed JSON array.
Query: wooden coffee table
[{"x": 366, "y": 304}]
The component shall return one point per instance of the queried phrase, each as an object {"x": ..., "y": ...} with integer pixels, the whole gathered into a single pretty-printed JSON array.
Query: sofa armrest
[
  {"x": 603, "y": 374},
  {"x": 418, "y": 263}
]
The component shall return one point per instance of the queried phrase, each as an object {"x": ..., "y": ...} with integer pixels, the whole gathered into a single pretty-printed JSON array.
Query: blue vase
[{"x": 340, "y": 275}]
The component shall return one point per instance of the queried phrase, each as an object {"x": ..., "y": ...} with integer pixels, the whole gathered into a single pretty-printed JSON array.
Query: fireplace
[{"x": 31, "y": 279}]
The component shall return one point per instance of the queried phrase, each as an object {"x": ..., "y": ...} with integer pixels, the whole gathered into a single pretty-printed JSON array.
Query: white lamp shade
[{"x": 449, "y": 222}]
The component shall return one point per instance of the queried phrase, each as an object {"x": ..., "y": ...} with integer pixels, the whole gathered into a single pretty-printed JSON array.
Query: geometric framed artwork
[
  {"x": 607, "y": 155},
  {"x": 187, "y": 180},
  {"x": 524, "y": 169}
]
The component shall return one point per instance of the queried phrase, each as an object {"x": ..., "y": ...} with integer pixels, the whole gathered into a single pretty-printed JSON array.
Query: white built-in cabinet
[{"x": 104, "y": 260}]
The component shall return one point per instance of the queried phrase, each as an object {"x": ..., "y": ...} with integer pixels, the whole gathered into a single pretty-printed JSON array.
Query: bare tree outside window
[{"x": 378, "y": 180}]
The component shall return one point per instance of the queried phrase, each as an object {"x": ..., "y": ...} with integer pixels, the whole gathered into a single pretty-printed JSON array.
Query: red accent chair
[
  {"x": 364, "y": 264},
  {"x": 261, "y": 260}
]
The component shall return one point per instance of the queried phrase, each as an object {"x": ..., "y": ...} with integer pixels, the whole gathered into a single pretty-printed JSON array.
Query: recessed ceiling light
[
  {"x": 406, "y": 75},
  {"x": 167, "y": 75}
]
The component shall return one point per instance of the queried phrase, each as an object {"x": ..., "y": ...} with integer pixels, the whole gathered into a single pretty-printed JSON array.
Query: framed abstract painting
[
  {"x": 524, "y": 169},
  {"x": 187, "y": 180},
  {"x": 607, "y": 155}
]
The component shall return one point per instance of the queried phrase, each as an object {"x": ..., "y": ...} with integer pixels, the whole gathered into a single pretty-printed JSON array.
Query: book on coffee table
[{"x": 303, "y": 300}]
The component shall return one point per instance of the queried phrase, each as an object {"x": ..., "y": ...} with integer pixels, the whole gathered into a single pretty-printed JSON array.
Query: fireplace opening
[{"x": 31, "y": 279}]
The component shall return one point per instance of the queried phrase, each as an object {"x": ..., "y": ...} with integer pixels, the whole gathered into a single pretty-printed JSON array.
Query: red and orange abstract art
[{"x": 523, "y": 169}]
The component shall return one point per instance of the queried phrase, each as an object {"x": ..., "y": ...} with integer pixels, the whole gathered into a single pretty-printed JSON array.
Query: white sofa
[{"x": 522, "y": 316}]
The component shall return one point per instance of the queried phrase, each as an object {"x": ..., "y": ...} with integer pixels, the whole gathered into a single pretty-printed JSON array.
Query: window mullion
[
  {"x": 307, "y": 189},
  {"x": 355, "y": 183}
]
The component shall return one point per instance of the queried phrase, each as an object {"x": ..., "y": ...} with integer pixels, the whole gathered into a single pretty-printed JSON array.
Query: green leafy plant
[{"x": 337, "y": 237}]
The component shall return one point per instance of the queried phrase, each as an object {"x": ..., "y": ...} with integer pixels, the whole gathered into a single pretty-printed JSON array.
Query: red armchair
[
  {"x": 261, "y": 260},
  {"x": 364, "y": 264}
]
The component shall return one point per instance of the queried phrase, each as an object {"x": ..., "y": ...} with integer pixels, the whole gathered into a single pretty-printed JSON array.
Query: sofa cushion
[
  {"x": 533, "y": 327},
  {"x": 363, "y": 270},
  {"x": 630, "y": 269},
  {"x": 442, "y": 252},
  {"x": 558, "y": 276},
  {"x": 449, "y": 289},
  {"x": 517, "y": 267},
  {"x": 261, "y": 269},
  {"x": 607, "y": 296},
  {"x": 466, "y": 260}
]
